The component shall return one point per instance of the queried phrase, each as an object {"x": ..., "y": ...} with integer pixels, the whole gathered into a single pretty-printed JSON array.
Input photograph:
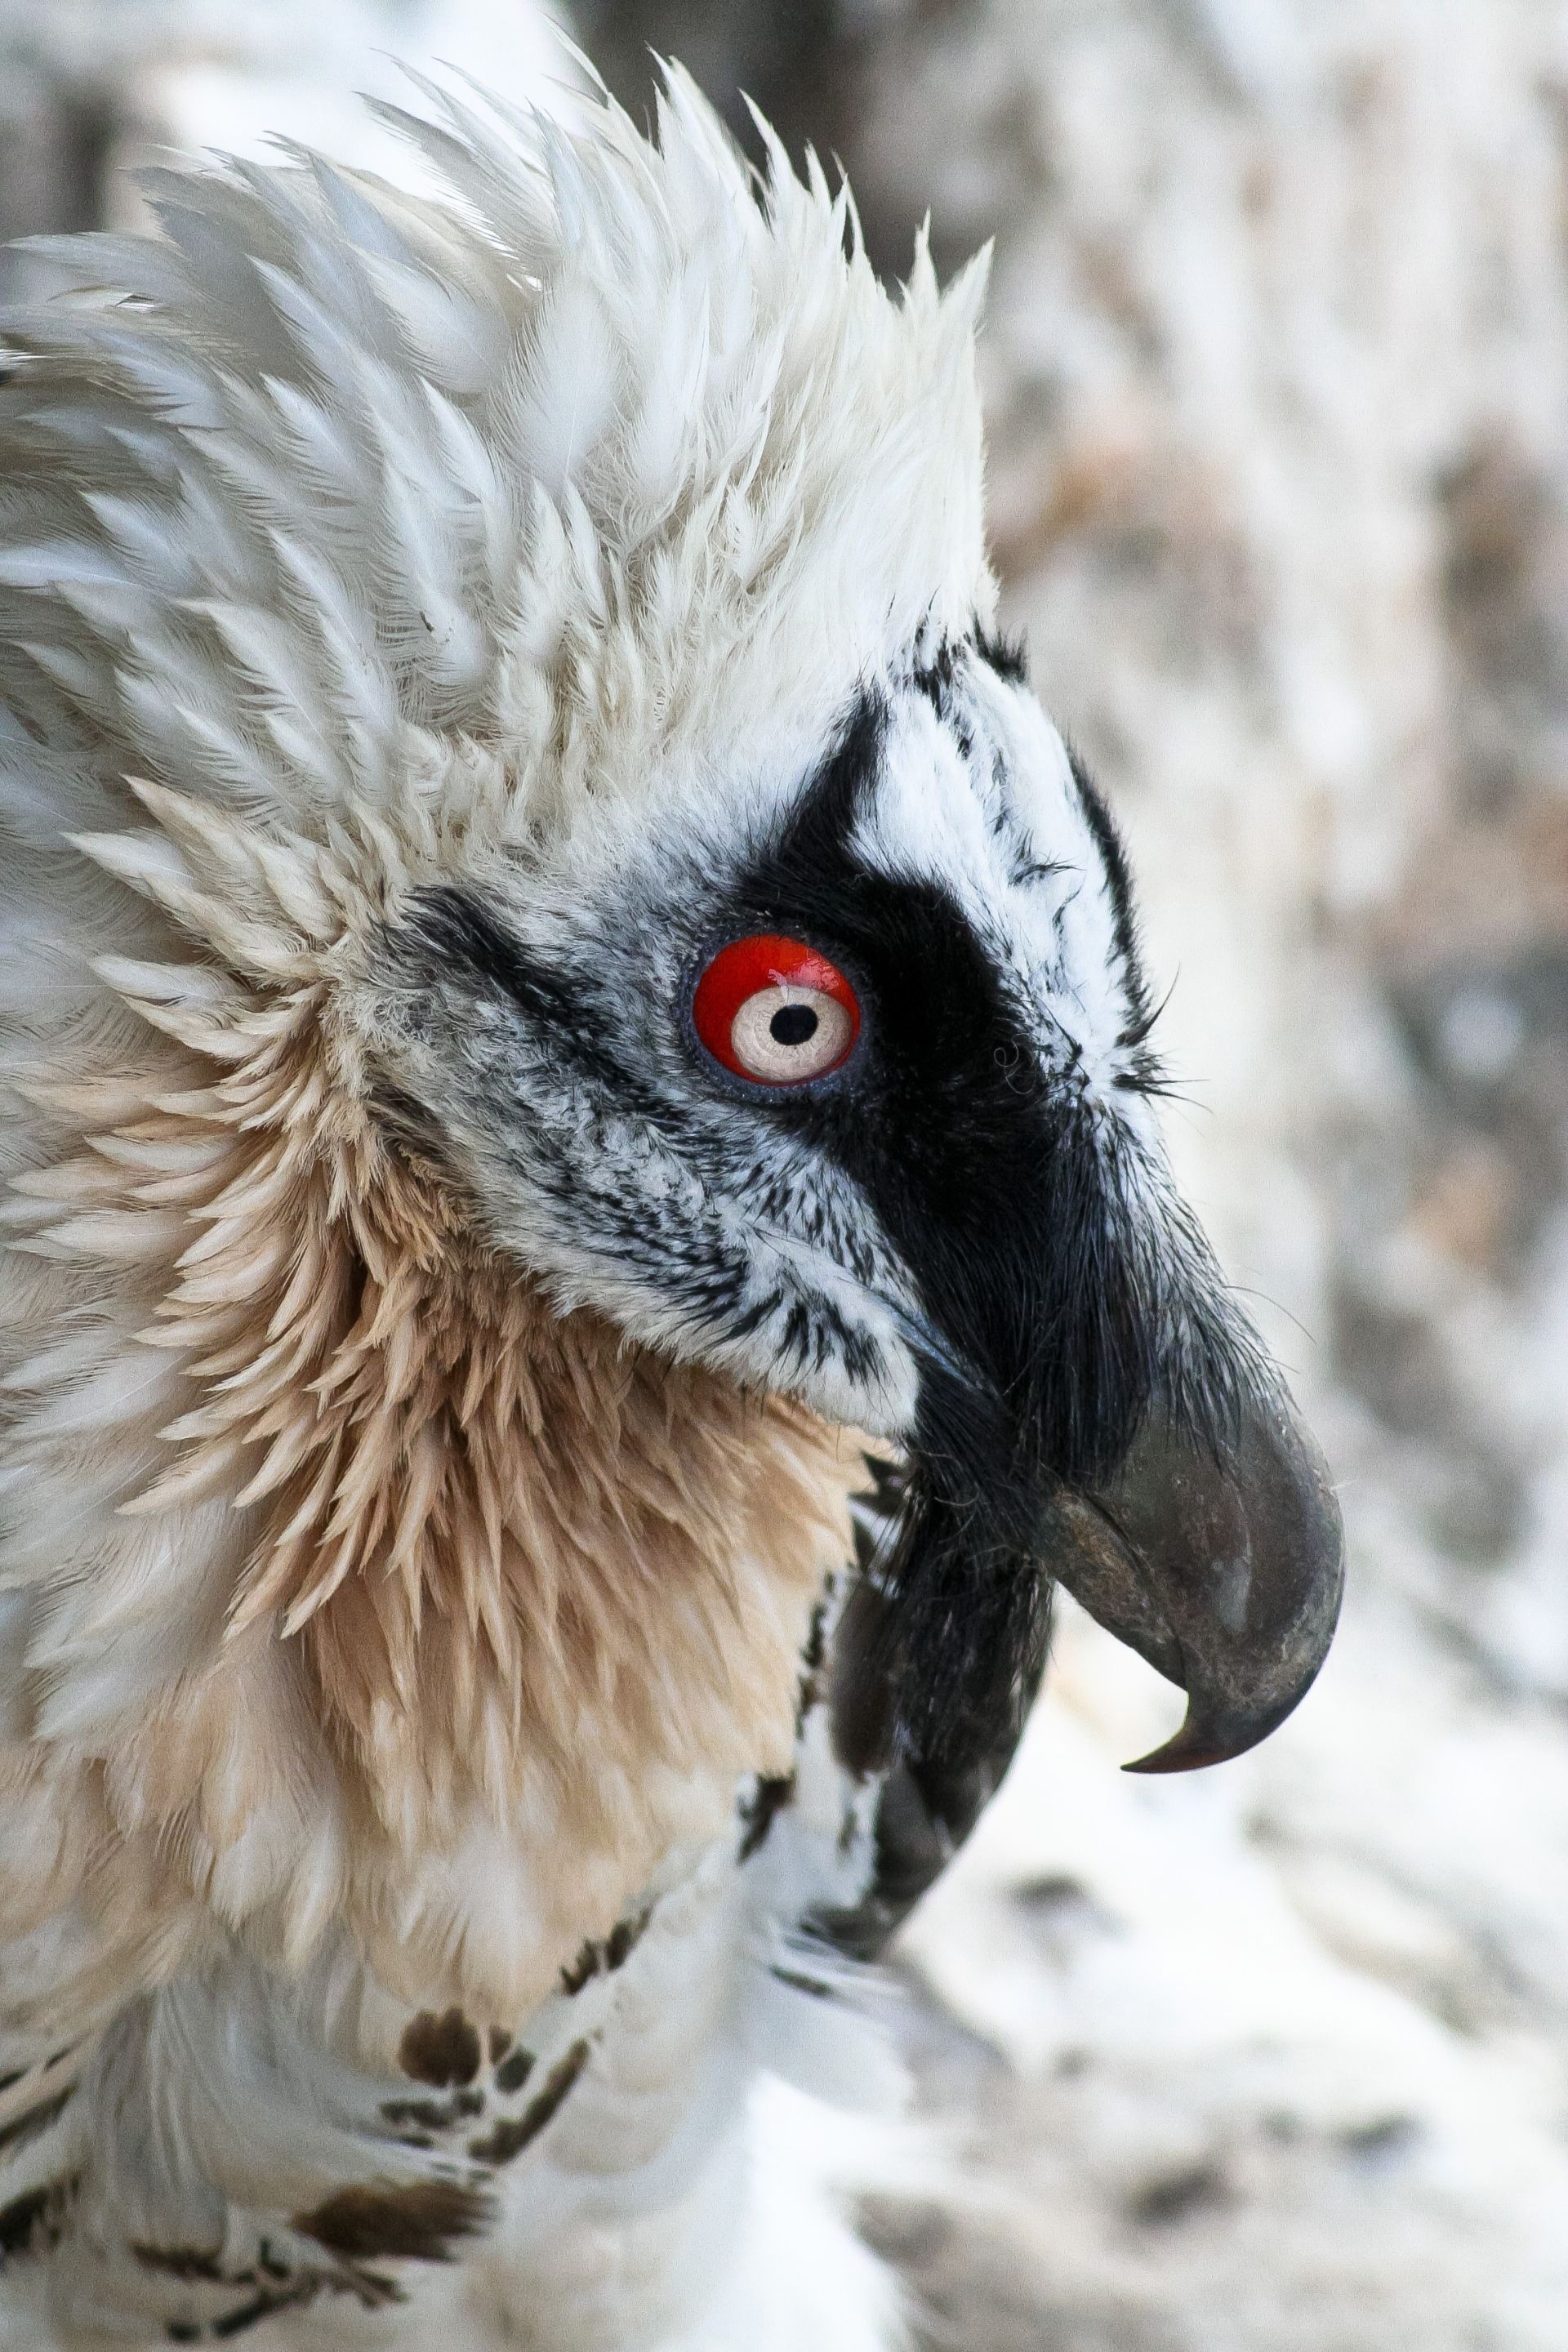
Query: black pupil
[{"x": 792, "y": 1024}]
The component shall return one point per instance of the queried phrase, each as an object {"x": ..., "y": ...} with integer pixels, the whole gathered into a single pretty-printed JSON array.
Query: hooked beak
[
  {"x": 1223, "y": 1566},
  {"x": 1127, "y": 1438}
]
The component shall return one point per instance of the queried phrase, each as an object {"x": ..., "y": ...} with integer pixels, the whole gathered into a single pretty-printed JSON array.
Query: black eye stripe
[{"x": 966, "y": 1147}]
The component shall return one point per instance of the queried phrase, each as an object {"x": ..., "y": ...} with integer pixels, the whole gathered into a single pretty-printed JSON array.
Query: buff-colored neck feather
[{"x": 490, "y": 1592}]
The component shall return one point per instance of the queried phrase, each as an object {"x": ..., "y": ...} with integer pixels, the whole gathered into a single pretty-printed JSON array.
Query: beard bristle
[
  {"x": 965, "y": 1629},
  {"x": 944, "y": 1639}
]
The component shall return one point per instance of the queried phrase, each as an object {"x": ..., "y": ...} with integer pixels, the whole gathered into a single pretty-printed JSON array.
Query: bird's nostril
[{"x": 792, "y": 1024}]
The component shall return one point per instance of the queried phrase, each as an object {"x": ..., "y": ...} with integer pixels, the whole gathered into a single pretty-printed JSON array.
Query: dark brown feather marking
[
  {"x": 798, "y": 1982},
  {"x": 418, "y": 2222},
  {"x": 624, "y": 1939},
  {"x": 185, "y": 2263},
  {"x": 814, "y": 1654},
  {"x": 513, "y": 2071},
  {"x": 260, "y": 2307},
  {"x": 576, "y": 1974},
  {"x": 31, "y": 2224},
  {"x": 435, "y": 2115},
  {"x": 602, "y": 1958},
  {"x": 510, "y": 2137},
  {"x": 245, "y": 2314},
  {"x": 36, "y": 2118},
  {"x": 762, "y": 1808},
  {"x": 439, "y": 2050}
]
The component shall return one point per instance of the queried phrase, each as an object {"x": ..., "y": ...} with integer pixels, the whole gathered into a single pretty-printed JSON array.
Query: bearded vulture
[{"x": 586, "y": 1240}]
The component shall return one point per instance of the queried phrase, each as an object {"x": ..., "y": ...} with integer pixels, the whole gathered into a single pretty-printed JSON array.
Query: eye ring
[{"x": 775, "y": 1012}]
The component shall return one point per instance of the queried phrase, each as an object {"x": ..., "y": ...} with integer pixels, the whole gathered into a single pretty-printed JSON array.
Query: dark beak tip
[
  {"x": 1219, "y": 1740},
  {"x": 1173, "y": 1757},
  {"x": 1192, "y": 1749},
  {"x": 1242, "y": 1683}
]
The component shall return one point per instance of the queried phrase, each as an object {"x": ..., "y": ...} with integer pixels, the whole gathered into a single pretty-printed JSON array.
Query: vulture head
[
  {"x": 515, "y": 795},
  {"x": 805, "y": 1034},
  {"x": 839, "y": 1077}
]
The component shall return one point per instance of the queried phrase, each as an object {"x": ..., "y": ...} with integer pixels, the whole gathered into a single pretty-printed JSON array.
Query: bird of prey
[{"x": 587, "y": 1239}]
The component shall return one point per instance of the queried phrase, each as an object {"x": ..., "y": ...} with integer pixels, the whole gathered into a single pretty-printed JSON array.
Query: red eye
[{"x": 775, "y": 1012}]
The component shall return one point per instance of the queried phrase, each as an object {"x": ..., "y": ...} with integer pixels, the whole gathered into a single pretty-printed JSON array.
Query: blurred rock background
[{"x": 1274, "y": 2060}]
